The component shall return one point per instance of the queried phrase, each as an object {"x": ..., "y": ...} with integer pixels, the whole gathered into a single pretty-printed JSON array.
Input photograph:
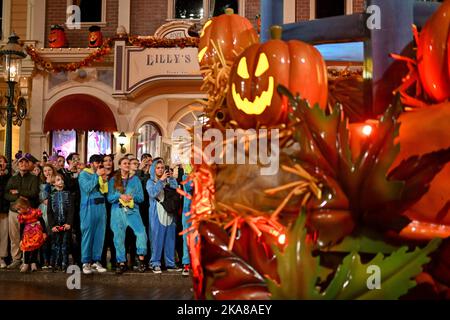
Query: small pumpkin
[
  {"x": 433, "y": 54},
  {"x": 95, "y": 37},
  {"x": 232, "y": 32},
  {"x": 57, "y": 37},
  {"x": 423, "y": 131},
  {"x": 255, "y": 75}
]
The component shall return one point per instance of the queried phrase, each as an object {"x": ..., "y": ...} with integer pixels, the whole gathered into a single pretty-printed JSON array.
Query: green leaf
[
  {"x": 362, "y": 243},
  {"x": 299, "y": 272},
  {"x": 397, "y": 272},
  {"x": 297, "y": 268}
]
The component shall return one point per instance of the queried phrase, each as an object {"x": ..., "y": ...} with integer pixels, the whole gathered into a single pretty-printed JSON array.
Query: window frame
[
  {"x": 155, "y": 125},
  {"x": 101, "y": 23},
  {"x": 312, "y": 8},
  {"x": 86, "y": 138},
  {"x": 50, "y": 149},
  {"x": 206, "y": 5}
]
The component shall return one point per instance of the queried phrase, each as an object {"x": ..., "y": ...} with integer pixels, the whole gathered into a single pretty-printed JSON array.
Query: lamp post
[{"x": 12, "y": 62}]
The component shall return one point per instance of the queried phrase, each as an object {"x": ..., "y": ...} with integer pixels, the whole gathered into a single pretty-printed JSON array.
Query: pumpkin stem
[
  {"x": 275, "y": 32},
  {"x": 229, "y": 11}
]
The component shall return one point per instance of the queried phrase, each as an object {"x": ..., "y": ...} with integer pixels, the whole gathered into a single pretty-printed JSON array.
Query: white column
[
  {"x": 36, "y": 22},
  {"x": 37, "y": 139},
  {"x": 289, "y": 10},
  {"x": 124, "y": 14},
  {"x": 6, "y": 20}
]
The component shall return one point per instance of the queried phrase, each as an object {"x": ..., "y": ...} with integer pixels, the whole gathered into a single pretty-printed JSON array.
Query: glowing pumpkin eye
[
  {"x": 263, "y": 65},
  {"x": 202, "y": 53},
  {"x": 204, "y": 27},
  {"x": 242, "y": 70}
]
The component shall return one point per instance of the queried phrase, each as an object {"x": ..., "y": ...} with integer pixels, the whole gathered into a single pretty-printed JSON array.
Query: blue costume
[
  {"x": 162, "y": 225},
  {"x": 123, "y": 216},
  {"x": 188, "y": 188},
  {"x": 92, "y": 215}
]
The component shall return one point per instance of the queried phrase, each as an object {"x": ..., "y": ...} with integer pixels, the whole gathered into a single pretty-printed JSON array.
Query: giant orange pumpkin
[
  {"x": 230, "y": 31},
  {"x": 95, "y": 37},
  {"x": 57, "y": 37},
  {"x": 423, "y": 131},
  {"x": 255, "y": 75},
  {"x": 433, "y": 54}
]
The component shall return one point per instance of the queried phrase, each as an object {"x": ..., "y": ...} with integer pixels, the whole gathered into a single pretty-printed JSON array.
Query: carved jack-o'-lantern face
[
  {"x": 255, "y": 75},
  {"x": 261, "y": 100},
  {"x": 231, "y": 32},
  {"x": 57, "y": 38},
  {"x": 95, "y": 39}
]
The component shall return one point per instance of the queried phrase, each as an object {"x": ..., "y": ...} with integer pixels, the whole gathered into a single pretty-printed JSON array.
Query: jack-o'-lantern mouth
[
  {"x": 92, "y": 42},
  {"x": 256, "y": 106}
]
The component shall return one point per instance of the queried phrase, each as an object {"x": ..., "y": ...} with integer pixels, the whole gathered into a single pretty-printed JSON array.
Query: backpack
[{"x": 172, "y": 201}]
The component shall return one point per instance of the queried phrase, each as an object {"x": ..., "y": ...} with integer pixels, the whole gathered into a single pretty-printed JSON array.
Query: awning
[{"x": 80, "y": 112}]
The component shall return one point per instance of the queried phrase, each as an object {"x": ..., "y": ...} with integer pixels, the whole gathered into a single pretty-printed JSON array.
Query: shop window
[
  {"x": 149, "y": 140},
  {"x": 98, "y": 143},
  {"x": 92, "y": 11},
  {"x": 64, "y": 142},
  {"x": 181, "y": 138},
  {"x": 189, "y": 9},
  {"x": 330, "y": 8},
  {"x": 198, "y": 9},
  {"x": 221, "y": 5}
]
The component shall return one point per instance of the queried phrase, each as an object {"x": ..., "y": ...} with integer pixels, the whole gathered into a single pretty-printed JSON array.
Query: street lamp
[
  {"x": 122, "y": 139},
  {"x": 12, "y": 62}
]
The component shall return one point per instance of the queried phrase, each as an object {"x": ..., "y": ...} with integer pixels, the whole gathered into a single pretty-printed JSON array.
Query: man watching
[
  {"x": 22, "y": 185},
  {"x": 93, "y": 186}
]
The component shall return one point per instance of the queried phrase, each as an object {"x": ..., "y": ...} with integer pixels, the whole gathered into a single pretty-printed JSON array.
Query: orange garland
[{"x": 151, "y": 42}]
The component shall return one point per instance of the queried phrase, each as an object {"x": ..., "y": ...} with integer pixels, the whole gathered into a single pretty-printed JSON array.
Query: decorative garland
[{"x": 151, "y": 42}]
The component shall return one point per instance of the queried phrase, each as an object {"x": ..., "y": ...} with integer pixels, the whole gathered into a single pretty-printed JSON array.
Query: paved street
[{"x": 129, "y": 286}]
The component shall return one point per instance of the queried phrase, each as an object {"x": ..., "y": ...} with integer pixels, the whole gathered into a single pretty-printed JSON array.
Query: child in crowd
[
  {"x": 32, "y": 232},
  {"x": 60, "y": 218}
]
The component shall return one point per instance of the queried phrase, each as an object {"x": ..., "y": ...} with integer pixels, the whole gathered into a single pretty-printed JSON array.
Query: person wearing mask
[
  {"x": 93, "y": 186},
  {"x": 4, "y": 209},
  {"x": 162, "y": 225},
  {"x": 23, "y": 185},
  {"x": 125, "y": 194}
]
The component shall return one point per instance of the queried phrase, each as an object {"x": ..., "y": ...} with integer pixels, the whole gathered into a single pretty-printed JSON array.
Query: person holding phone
[{"x": 162, "y": 225}]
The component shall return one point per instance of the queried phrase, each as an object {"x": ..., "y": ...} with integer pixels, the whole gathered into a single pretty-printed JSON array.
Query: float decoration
[
  {"x": 229, "y": 32},
  {"x": 253, "y": 100},
  {"x": 302, "y": 276},
  {"x": 429, "y": 72}
]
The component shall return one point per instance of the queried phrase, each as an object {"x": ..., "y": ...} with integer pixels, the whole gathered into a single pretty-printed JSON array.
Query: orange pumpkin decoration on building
[
  {"x": 231, "y": 32},
  {"x": 57, "y": 37},
  {"x": 95, "y": 37},
  {"x": 255, "y": 75}
]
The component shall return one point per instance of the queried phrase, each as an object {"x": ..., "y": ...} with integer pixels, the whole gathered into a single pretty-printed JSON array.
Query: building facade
[{"x": 145, "y": 93}]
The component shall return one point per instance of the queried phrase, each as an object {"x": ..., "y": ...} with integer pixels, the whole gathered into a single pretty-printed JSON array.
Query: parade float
[{"x": 356, "y": 210}]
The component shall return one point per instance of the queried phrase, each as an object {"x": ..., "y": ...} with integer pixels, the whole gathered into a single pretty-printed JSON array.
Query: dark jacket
[
  {"x": 60, "y": 209},
  {"x": 28, "y": 187},
  {"x": 4, "y": 204}
]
